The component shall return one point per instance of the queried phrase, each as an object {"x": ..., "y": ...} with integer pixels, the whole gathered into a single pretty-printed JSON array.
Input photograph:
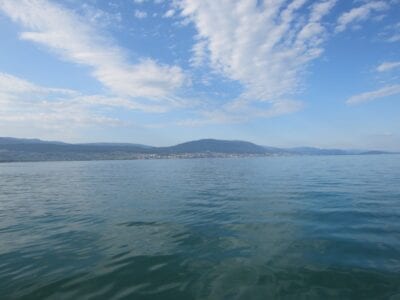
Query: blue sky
[{"x": 277, "y": 72}]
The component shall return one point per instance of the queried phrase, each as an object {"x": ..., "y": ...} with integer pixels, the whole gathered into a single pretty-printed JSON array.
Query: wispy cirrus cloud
[
  {"x": 383, "y": 92},
  {"x": 24, "y": 102},
  {"x": 230, "y": 114},
  {"x": 265, "y": 46},
  {"x": 169, "y": 13},
  {"x": 394, "y": 38},
  {"x": 360, "y": 13},
  {"x": 140, "y": 14},
  {"x": 12, "y": 86},
  {"x": 67, "y": 35},
  {"x": 388, "y": 66},
  {"x": 391, "y": 33}
]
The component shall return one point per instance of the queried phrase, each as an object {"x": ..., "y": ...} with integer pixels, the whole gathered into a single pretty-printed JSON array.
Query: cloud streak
[
  {"x": 24, "y": 102},
  {"x": 386, "y": 91},
  {"x": 388, "y": 66},
  {"x": 360, "y": 13},
  {"x": 73, "y": 39}
]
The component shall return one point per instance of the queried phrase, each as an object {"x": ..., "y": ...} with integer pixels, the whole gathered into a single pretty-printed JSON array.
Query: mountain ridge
[{"x": 14, "y": 149}]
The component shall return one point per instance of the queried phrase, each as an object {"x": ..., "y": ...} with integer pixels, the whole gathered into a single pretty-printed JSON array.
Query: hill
[
  {"x": 216, "y": 146},
  {"x": 13, "y": 149}
]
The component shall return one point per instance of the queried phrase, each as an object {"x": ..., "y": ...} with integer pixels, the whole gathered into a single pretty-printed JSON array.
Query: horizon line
[{"x": 201, "y": 139}]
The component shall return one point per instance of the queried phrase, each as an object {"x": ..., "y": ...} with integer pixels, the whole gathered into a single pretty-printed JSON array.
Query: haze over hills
[
  {"x": 14, "y": 149},
  {"x": 15, "y": 141}
]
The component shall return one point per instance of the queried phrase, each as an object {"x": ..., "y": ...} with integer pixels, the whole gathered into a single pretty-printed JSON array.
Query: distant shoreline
[
  {"x": 189, "y": 157},
  {"x": 32, "y": 150}
]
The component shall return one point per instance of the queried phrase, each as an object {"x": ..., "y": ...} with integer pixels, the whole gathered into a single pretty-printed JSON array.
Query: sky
[{"x": 275, "y": 72}]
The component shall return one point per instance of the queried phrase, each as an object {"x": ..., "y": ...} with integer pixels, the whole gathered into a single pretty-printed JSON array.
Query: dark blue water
[{"x": 254, "y": 228}]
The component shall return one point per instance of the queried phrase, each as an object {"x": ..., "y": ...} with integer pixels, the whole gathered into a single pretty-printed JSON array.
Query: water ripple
[{"x": 260, "y": 228}]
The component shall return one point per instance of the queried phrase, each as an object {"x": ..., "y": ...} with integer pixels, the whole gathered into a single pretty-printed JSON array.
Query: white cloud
[
  {"x": 140, "y": 14},
  {"x": 143, "y": 1},
  {"x": 26, "y": 103},
  {"x": 360, "y": 13},
  {"x": 238, "y": 113},
  {"x": 199, "y": 51},
  {"x": 266, "y": 47},
  {"x": 100, "y": 18},
  {"x": 169, "y": 13},
  {"x": 321, "y": 9},
  {"x": 386, "y": 91},
  {"x": 12, "y": 85},
  {"x": 23, "y": 103},
  {"x": 388, "y": 66},
  {"x": 392, "y": 33},
  {"x": 394, "y": 38},
  {"x": 70, "y": 37}
]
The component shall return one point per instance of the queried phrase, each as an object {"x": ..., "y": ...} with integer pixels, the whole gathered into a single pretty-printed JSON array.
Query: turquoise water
[{"x": 251, "y": 228}]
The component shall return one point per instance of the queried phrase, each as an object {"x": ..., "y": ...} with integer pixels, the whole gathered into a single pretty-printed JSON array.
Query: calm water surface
[{"x": 251, "y": 228}]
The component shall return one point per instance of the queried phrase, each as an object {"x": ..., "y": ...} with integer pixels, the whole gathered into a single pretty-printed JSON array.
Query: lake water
[{"x": 248, "y": 228}]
